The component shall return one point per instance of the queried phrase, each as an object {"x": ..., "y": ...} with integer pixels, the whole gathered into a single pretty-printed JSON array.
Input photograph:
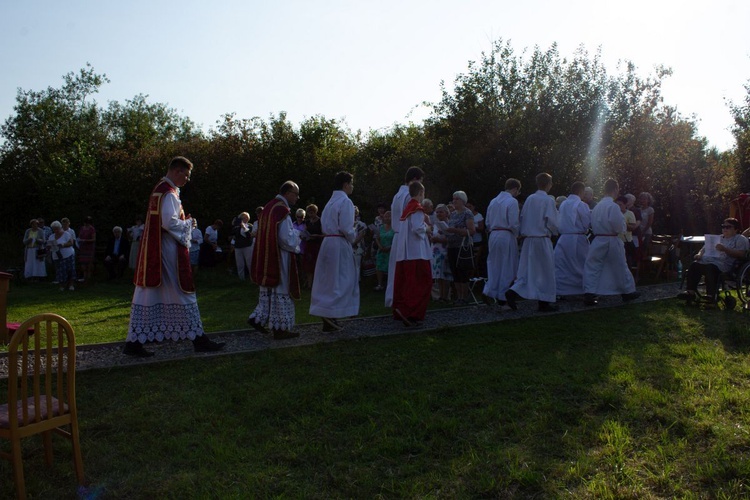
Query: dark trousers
[{"x": 710, "y": 271}]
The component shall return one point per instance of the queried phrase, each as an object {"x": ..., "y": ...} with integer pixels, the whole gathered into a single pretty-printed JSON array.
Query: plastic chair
[{"x": 41, "y": 391}]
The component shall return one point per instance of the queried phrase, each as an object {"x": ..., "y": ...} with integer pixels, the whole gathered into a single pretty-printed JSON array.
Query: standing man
[
  {"x": 606, "y": 270},
  {"x": 536, "y": 271},
  {"x": 274, "y": 267},
  {"x": 397, "y": 207},
  {"x": 335, "y": 290},
  {"x": 117, "y": 255},
  {"x": 574, "y": 222},
  {"x": 502, "y": 222},
  {"x": 164, "y": 302}
]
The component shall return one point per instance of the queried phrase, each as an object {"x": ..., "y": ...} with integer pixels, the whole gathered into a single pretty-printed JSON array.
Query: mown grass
[
  {"x": 642, "y": 401},
  {"x": 100, "y": 311}
]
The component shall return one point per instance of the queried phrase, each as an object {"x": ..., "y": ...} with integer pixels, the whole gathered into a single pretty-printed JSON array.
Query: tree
[{"x": 51, "y": 147}]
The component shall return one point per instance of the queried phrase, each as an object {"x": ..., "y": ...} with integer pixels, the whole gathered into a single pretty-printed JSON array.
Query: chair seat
[{"x": 5, "y": 411}]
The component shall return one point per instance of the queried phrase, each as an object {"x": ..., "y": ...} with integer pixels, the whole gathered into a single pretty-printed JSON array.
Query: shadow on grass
[{"x": 646, "y": 400}]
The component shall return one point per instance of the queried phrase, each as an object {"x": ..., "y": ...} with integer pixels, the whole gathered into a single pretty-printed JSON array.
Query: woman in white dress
[{"x": 33, "y": 241}]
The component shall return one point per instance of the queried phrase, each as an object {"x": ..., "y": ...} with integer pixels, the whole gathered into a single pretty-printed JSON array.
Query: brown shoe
[{"x": 284, "y": 334}]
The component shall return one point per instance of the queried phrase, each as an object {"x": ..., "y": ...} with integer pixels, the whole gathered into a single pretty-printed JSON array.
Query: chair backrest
[
  {"x": 41, "y": 366},
  {"x": 4, "y": 286}
]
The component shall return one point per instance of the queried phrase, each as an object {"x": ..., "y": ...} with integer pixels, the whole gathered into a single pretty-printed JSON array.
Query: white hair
[
  {"x": 116, "y": 228},
  {"x": 461, "y": 196},
  {"x": 56, "y": 225}
]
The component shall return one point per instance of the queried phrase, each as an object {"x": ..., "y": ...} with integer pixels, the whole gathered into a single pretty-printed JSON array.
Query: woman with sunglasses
[{"x": 731, "y": 247}]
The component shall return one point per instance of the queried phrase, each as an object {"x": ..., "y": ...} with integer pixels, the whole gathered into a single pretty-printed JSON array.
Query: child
[{"x": 413, "y": 277}]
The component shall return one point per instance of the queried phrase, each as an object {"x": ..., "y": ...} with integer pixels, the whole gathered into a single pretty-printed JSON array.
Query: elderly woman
[
  {"x": 134, "y": 234},
  {"x": 645, "y": 230},
  {"x": 441, "y": 270},
  {"x": 731, "y": 246},
  {"x": 87, "y": 248},
  {"x": 460, "y": 226},
  {"x": 62, "y": 244},
  {"x": 243, "y": 240},
  {"x": 383, "y": 240},
  {"x": 33, "y": 241},
  {"x": 196, "y": 240}
]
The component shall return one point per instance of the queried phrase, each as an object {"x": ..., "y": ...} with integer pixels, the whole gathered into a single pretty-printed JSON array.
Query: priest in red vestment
[
  {"x": 274, "y": 267},
  {"x": 164, "y": 302}
]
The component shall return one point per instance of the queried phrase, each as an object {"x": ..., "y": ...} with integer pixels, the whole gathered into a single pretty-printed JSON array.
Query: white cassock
[
  {"x": 573, "y": 222},
  {"x": 165, "y": 311},
  {"x": 275, "y": 305},
  {"x": 606, "y": 271},
  {"x": 536, "y": 269},
  {"x": 503, "y": 223},
  {"x": 397, "y": 207},
  {"x": 335, "y": 290}
]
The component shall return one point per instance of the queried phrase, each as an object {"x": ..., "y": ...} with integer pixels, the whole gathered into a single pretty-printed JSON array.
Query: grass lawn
[
  {"x": 642, "y": 401},
  {"x": 100, "y": 312}
]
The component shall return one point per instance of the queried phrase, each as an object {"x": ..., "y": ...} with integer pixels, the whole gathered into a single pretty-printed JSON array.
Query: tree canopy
[{"x": 508, "y": 115}]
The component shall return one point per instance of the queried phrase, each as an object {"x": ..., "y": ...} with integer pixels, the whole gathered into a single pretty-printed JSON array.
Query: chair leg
[
  {"x": 77, "y": 458},
  {"x": 47, "y": 439},
  {"x": 18, "y": 468}
]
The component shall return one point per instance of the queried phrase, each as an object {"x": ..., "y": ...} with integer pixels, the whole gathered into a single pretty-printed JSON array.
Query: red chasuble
[
  {"x": 148, "y": 267},
  {"x": 266, "y": 261}
]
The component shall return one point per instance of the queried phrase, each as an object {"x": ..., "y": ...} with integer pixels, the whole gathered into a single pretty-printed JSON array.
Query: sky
[{"x": 369, "y": 63}]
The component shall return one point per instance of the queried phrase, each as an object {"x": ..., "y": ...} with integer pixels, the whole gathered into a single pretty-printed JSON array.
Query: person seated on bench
[{"x": 731, "y": 247}]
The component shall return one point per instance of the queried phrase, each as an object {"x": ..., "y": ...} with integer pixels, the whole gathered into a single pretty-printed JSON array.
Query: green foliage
[
  {"x": 509, "y": 114},
  {"x": 741, "y": 131}
]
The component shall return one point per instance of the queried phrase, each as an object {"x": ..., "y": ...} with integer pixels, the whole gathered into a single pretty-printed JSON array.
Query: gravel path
[{"x": 110, "y": 355}]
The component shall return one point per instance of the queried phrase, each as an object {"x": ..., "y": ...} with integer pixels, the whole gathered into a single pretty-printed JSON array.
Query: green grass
[
  {"x": 100, "y": 311},
  {"x": 642, "y": 401}
]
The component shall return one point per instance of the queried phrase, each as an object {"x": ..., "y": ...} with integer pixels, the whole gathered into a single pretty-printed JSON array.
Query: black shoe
[
  {"x": 547, "y": 307},
  {"x": 488, "y": 300},
  {"x": 257, "y": 326},
  {"x": 203, "y": 344},
  {"x": 686, "y": 295},
  {"x": 589, "y": 299},
  {"x": 284, "y": 334},
  {"x": 136, "y": 349},
  {"x": 627, "y": 297},
  {"x": 330, "y": 325},
  {"x": 511, "y": 297}
]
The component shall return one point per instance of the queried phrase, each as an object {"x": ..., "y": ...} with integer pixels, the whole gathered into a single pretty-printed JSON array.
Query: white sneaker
[{"x": 71, "y": 288}]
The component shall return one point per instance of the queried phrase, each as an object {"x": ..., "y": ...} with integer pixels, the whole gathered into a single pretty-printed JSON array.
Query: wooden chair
[
  {"x": 6, "y": 329},
  {"x": 41, "y": 391}
]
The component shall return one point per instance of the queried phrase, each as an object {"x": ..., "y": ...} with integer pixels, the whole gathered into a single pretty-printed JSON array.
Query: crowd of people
[{"x": 545, "y": 250}]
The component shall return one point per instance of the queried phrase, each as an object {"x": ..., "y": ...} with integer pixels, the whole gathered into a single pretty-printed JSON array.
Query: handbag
[{"x": 465, "y": 259}]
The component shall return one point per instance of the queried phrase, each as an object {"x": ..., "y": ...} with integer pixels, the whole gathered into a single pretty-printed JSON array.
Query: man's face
[
  {"x": 292, "y": 196},
  {"x": 182, "y": 176}
]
